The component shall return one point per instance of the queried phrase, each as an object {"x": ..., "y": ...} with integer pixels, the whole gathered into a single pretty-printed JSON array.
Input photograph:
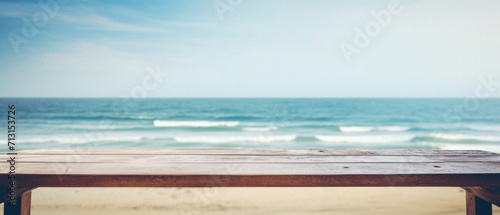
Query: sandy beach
[{"x": 295, "y": 201}]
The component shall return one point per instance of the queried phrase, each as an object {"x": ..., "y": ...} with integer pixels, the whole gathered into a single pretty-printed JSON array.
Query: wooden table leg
[
  {"x": 477, "y": 206},
  {"x": 23, "y": 205}
]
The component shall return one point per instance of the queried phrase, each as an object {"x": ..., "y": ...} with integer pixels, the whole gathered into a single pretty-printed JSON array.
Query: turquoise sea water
[{"x": 255, "y": 123}]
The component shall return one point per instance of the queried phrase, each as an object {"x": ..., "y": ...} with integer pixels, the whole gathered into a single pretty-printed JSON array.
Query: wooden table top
[{"x": 252, "y": 168}]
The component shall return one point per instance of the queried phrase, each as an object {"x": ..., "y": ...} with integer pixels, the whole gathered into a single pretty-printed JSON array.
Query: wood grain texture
[
  {"x": 230, "y": 168},
  {"x": 253, "y": 167},
  {"x": 298, "y": 152},
  {"x": 225, "y": 158}
]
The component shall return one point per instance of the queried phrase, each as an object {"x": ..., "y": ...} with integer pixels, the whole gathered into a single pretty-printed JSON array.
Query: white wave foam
[
  {"x": 261, "y": 129},
  {"x": 365, "y": 139},
  {"x": 161, "y": 123},
  {"x": 485, "y": 128},
  {"x": 458, "y": 137},
  {"x": 355, "y": 128},
  {"x": 392, "y": 128},
  {"x": 75, "y": 140},
  {"x": 284, "y": 138},
  {"x": 371, "y": 128},
  {"x": 57, "y": 140}
]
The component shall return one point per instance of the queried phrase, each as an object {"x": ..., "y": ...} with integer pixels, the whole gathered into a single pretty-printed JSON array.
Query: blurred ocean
[{"x": 255, "y": 123}]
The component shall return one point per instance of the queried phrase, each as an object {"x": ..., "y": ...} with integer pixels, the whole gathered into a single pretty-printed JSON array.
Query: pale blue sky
[{"x": 261, "y": 48}]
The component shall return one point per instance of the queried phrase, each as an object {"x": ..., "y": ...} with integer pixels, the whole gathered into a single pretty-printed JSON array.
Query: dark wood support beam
[
  {"x": 479, "y": 200},
  {"x": 477, "y": 206},
  {"x": 4, "y": 192},
  {"x": 22, "y": 206},
  {"x": 488, "y": 194}
]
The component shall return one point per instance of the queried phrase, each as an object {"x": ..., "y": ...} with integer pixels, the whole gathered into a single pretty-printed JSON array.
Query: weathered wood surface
[
  {"x": 252, "y": 167},
  {"x": 324, "y": 152}
]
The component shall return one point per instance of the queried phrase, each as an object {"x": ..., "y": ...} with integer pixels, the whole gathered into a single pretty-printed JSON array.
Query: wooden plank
[
  {"x": 477, "y": 206},
  {"x": 270, "y": 152},
  {"x": 143, "y": 167},
  {"x": 203, "y": 158},
  {"x": 22, "y": 207},
  {"x": 165, "y": 167},
  {"x": 448, "y": 180}
]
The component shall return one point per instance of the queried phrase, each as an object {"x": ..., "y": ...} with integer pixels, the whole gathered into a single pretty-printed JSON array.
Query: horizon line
[{"x": 22, "y": 97}]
